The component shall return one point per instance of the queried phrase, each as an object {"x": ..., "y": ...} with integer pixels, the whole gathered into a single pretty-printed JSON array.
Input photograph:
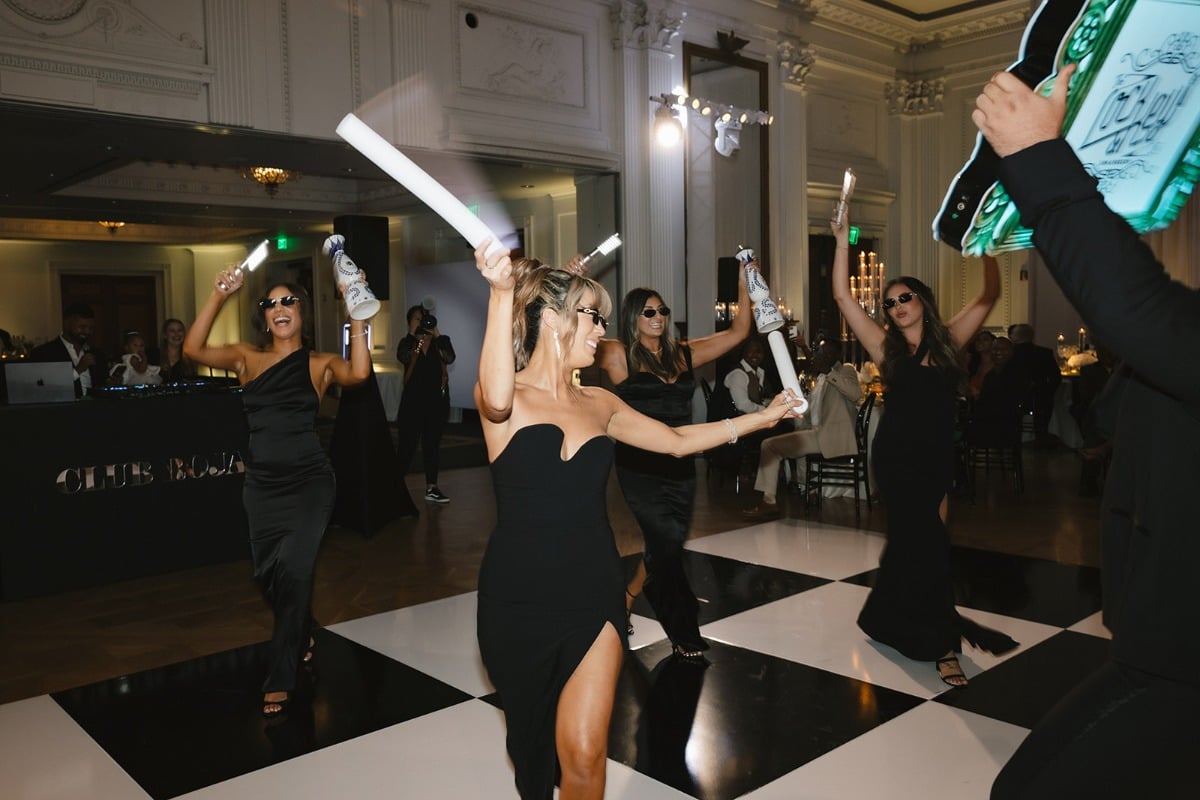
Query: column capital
[
  {"x": 915, "y": 98},
  {"x": 637, "y": 24},
  {"x": 796, "y": 60}
]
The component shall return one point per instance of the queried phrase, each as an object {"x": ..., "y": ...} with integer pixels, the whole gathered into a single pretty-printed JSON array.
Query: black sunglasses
[
  {"x": 597, "y": 317},
  {"x": 269, "y": 302},
  {"x": 901, "y": 298},
  {"x": 650, "y": 313}
]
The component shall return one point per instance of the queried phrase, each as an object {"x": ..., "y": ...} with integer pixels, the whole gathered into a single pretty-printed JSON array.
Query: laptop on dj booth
[{"x": 39, "y": 382}]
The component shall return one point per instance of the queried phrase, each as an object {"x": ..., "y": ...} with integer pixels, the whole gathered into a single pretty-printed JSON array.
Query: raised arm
[
  {"x": 629, "y": 426},
  {"x": 868, "y": 332},
  {"x": 711, "y": 347},
  {"x": 497, "y": 364},
  {"x": 358, "y": 368},
  {"x": 966, "y": 323},
  {"x": 195, "y": 344}
]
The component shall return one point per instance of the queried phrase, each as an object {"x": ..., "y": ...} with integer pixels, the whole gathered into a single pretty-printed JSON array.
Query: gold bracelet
[
  {"x": 357, "y": 335},
  {"x": 733, "y": 437}
]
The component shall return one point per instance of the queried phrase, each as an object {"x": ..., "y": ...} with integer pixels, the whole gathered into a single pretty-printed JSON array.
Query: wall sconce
[
  {"x": 111, "y": 225},
  {"x": 270, "y": 177}
]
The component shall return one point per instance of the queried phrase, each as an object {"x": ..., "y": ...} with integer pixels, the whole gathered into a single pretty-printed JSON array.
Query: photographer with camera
[{"x": 425, "y": 402}]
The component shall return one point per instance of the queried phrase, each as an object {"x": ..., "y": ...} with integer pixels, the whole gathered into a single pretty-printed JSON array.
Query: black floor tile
[
  {"x": 725, "y": 586},
  {"x": 1018, "y": 586},
  {"x": 723, "y": 730},
  {"x": 1023, "y": 688},
  {"x": 189, "y": 725}
]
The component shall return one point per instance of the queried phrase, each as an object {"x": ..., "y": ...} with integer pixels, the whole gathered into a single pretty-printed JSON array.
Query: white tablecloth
[
  {"x": 391, "y": 386},
  {"x": 1062, "y": 424}
]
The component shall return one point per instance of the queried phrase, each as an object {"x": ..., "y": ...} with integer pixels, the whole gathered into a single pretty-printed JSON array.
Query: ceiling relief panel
[{"x": 506, "y": 56}]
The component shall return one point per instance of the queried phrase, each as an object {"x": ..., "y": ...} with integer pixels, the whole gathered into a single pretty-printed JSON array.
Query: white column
[
  {"x": 788, "y": 176},
  {"x": 228, "y": 35},
  {"x": 920, "y": 190},
  {"x": 652, "y": 189}
]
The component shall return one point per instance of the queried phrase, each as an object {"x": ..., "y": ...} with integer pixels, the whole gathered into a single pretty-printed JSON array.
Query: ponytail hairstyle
[
  {"x": 935, "y": 336},
  {"x": 539, "y": 286},
  {"x": 666, "y": 365}
]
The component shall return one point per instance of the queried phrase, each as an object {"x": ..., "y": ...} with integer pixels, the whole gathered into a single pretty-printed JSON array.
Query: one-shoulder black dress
[
  {"x": 550, "y": 580},
  {"x": 911, "y": 607},
  {"x": 661, "y": 492},
  {"x": 289, "y": 495}
]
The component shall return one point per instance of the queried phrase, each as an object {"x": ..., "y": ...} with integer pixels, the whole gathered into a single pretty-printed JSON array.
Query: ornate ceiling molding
[{"x": 907, "y": 35}]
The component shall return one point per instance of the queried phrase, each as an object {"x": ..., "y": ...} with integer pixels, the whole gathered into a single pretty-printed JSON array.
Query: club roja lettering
[{"x": 74, "y": 480}]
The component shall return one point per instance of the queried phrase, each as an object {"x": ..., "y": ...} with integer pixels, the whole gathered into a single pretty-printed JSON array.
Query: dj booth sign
[{"x": 103, "y": 490}]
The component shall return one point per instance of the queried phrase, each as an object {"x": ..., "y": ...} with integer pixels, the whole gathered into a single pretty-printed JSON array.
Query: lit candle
[{"x": 1082, "y": 339}]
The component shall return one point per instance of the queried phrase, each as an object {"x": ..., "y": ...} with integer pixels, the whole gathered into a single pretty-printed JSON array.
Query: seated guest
[
  {"x": 745, "y": 383},
  {"x": 74, "y": 345},
  {"x": 832, "y": 408},
  {"x": 979, "y": 360},
  {"x": 173, "y": 364},
  {"x": 1041, "y": 365},
  {"x": 134, "y": 368},
  {"x": 996, "y": 413}
]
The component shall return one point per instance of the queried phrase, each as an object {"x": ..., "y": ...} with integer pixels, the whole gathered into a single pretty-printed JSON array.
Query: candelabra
[{"x": 867, "y": 289}]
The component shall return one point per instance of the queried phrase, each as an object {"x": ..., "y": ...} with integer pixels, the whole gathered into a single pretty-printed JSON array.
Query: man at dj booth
[
  {"x": 1128, "y": 730},
  {"x": 74, "y": 345}
]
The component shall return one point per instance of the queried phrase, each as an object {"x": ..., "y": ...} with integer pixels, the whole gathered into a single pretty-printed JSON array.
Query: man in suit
[
  {"x": 833, "y": 405},
  {"x": 1040, "y": 364},
  {"x": 1128, "y": 730},
  {"x": 74, "y": 345}
]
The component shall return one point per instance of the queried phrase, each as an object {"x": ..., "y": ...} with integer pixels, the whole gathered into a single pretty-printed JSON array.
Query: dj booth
[{"x": 124, "y": 485}]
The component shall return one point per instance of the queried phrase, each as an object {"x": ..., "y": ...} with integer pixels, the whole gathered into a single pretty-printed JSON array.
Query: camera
[{"x": 428, "y": 321}]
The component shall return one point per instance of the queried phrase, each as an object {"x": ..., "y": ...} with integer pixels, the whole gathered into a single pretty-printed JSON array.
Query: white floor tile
[
  {"x": 818, "y": 628},
  {"x": 437, "y": 638},
  {"x": 1093, "y": 626},
  {"x": 624, "y": 783},
  {"x": 812, "y": 548},
  {"x": 933, "y": 751},
  {"x": 46, "y": 756},
  {"x": 454, "y": 753}
]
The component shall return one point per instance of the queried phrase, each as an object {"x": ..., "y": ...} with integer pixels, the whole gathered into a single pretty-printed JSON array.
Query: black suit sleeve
[{"x": 1105, "y": 270}]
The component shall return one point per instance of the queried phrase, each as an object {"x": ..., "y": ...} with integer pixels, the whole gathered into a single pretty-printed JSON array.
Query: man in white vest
[{"x": 833, "y": 406}]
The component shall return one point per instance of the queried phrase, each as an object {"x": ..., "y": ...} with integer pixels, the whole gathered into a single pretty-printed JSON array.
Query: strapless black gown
[
  {"x": 550, "y": 580},
  {"x": 661, "y": 492},
  {"x": 289, "y": 494},
  {"x": 911, "y": 606}
]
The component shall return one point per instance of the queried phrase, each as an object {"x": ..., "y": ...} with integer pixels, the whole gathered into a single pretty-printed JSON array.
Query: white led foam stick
[
  {"x": 416, "y": 180},
  {"x": 603, "y": 249}
]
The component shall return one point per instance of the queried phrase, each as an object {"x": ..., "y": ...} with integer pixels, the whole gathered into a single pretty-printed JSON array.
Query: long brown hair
[
  {"x": 935, "y": 337},
  {"x": 666, "y": 366}
]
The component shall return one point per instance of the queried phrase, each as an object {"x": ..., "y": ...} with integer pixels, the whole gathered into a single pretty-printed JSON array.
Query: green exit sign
[{"x": 281, "y": 242}]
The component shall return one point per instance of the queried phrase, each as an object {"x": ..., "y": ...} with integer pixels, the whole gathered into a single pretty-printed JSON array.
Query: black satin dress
[
  {"x": 289, "y": 494},
  {"x": 550, "y": 581},
  {"x": 911, "y": 607},
  {"x": 661, "y": 492}
]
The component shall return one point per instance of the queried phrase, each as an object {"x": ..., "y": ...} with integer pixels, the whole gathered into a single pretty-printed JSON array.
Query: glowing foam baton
[
  {"x": 603, "y": 249},
  {"x": 848, "y": 180},
  {"x": 768, "y": 320},
  {"x": 256, "y": 257},
  {"x": 381, "y": 152}
]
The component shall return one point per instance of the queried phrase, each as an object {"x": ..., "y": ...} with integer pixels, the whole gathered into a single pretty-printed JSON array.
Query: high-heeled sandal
[
  {"x": 275, "y": 708},
  {"x": 629, "y": 613},
  {"x": 694, "y": 656},
  {"x": 953, "y": 672}
]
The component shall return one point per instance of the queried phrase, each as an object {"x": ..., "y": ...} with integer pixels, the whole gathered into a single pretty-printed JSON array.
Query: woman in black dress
[
  {"x": 911, "y": 606},
  {"x": 652, "y": 372},
  {"x": 289, "y": 489},
  {"x": 551, "y": 620}
]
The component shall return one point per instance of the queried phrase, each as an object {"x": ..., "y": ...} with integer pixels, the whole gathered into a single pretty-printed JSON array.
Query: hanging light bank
[{"x": 727, "y": 120}]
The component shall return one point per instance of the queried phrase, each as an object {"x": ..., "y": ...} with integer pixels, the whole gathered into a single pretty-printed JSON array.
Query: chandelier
[
  {"x": 270, "y": 177},
  {"x": 111, "y": 225}
]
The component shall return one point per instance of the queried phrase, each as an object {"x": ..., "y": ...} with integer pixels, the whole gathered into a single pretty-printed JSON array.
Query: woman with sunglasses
[
  {"x": 653, "y": 372},
  {"x": 551, "y": 622},
  {"x": 289, "y": 488},
  {"x": 911, "y": 607}
]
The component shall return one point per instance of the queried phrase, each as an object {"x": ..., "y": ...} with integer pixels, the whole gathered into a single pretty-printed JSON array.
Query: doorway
[
  {"x": 122, "y": 303},
  {"x": 823, "y": 315}
]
